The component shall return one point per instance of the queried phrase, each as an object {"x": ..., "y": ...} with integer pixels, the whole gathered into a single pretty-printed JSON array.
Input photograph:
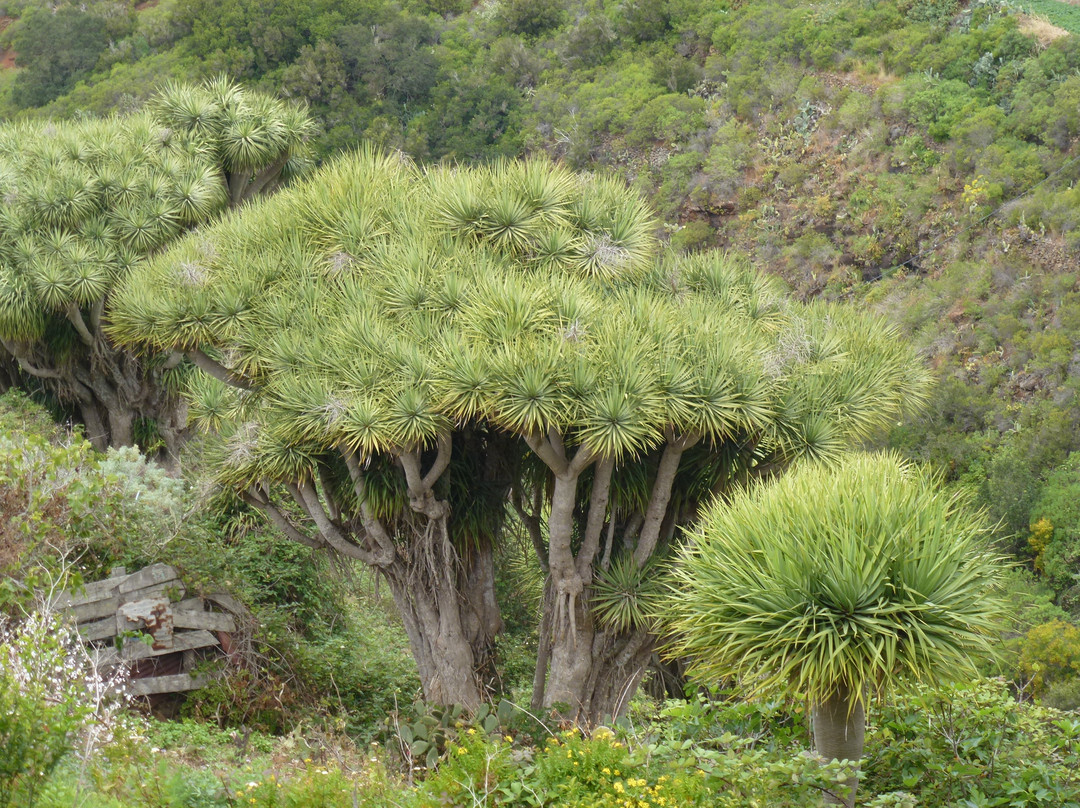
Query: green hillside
[{"x": 914, "y": 159}]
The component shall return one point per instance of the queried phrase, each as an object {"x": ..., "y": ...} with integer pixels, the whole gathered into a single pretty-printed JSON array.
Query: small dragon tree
[
  {"x": 84, "y": 202},
  {"x": 401, "y": 354},
  {"x": 831, "y": 584}
]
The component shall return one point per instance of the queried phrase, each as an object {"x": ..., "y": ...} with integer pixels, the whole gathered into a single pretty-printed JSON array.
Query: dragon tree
[
  {"x": 400, "y": 360},
  {"x": 84, "y": 202}
]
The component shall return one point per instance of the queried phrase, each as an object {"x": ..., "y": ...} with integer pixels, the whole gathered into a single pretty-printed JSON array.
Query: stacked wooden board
[{"x": 145, "y": 621}]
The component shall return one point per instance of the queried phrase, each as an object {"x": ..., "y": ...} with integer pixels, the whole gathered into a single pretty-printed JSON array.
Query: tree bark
[
  {"x": 839, "y": 732},
  {"x": 436, "y": 618},
  {"x": 592, "y": 672},
  {"x": 481, "y": 617},
  {"x": 592, "y": 680}
]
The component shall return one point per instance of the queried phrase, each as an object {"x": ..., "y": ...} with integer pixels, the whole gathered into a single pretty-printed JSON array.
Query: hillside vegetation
[
  {"x": 913, "y": 159},
  {"x": 915, "y": 154}
]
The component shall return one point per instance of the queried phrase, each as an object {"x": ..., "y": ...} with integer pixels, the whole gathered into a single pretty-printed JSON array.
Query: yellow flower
[
  {"x": 606, "y": 770},
  {"x": 470, "y": 731},
  {"x": 618, "y": 786},
  {"x": 461, "y": 750},
  {"x": 508, "y": 738}
]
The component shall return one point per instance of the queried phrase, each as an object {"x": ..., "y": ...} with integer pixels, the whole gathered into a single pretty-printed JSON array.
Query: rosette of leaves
[
  {"x": 832, "y": 583},
  {"x": 85, "y": 201},
  {"x": 400, "y": 351},
  {"x": 625, "y": 596}
]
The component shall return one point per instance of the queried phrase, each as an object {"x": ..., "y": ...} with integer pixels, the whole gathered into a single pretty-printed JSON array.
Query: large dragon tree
[
  {"x": 396, "y": 357},
  {"x": 86, "y": 201}
]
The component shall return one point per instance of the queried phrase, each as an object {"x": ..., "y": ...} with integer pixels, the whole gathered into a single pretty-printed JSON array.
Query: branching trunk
[
  {"x": 111, "y": 389},
  {"x": 587, "y": 672}
]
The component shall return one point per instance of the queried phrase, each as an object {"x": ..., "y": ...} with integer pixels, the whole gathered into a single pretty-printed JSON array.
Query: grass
[{"x": 1063, "y": 15}]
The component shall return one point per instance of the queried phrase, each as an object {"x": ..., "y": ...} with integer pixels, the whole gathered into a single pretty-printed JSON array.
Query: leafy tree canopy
[
  {"x": 86, "y": 201},
  {"x": 838, "y": 577},
  {"x": 380, "y": 305}
]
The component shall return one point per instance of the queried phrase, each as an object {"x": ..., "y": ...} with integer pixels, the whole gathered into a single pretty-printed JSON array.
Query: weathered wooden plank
[
  {"x": 227, "y": 601},
  {"x": 146, "y": 577},
  {"x": 85, "y": 612},
  {"x": 152, "y": 685},
  {"x": 151, "y": 616},
  {"x": 91, "y": 592},
  {"x": 211, "y": 621},
  {"x": 98, "y": 629},
  {"x": 173, "y": 589},
  {"x": 182, "y": 641}
]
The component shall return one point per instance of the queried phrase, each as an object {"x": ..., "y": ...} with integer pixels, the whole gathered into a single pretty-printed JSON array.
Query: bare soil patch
[{"x": 1040, "y": 29}]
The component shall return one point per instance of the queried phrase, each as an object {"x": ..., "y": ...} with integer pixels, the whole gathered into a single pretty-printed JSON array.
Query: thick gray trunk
[
  {"x": 839, "y": 731},
  {"x": 444, "y": 657},
  {"x": 121, "y": 428},
  {"x": 594, "y": 674},
  {"x": 481, "y": 618},
  {"x": 96, "y": 432}
]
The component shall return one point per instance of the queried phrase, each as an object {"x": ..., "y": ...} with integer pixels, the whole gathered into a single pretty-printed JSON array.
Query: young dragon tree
[
  {"x": 84, "y": 202},
  {"x": 400, "y": 357},
  {"x": 832, "y": 584}
]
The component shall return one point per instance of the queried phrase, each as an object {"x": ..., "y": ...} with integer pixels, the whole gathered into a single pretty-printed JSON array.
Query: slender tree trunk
[{"x": 839, "y": 730}]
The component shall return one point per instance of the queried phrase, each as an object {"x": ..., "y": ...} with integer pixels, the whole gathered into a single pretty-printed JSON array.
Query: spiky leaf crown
[
  {"x": 81, "y": 202},
  {"x": 378, "y": 306}
]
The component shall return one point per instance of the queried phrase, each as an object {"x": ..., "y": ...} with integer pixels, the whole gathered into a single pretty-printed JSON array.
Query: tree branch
[
  {"x": 217, "y": 370},
  {"x": 328, "y": 530},
  {"x": 661, "y": 495},
  {"x": 174, "y": 359},
  {"x": 543, "y": 449},
  {"x": 97, "y": 308},
  {"x": 20, "y": 357},
  {"x": 582, "y": 459},
  {"x": 374, "y": 527},
  {"x": 442, "y": 461},
  {"x": 278, "y": 519},
  {"x": 298, "y": 498},
  {"x": 532, "y": 524},
  {"x": 76, "y": 319},
  {"x": 605, "y": 562},
  {"x": 594, "y": 525},
  {"x": 410, "y": 464},
  {"x": 264, "y": 177},
  {"x": 328, "y": 492}
]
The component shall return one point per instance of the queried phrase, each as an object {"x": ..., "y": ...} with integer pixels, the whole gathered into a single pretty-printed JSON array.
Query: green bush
[
  {"x": 1050, "y": 654},
  {"x": 974, "y": 745},
  {"x": 49, "y": 690}
]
